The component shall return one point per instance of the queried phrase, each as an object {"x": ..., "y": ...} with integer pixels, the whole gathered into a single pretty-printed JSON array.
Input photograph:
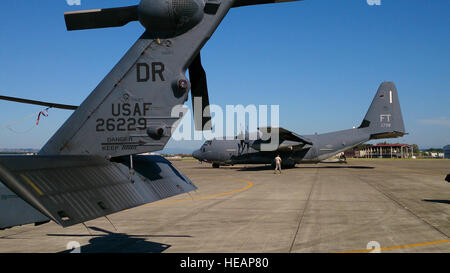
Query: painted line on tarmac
[
  {"x": 397, "y": 247},
  {"x": 249, "y": 185}
]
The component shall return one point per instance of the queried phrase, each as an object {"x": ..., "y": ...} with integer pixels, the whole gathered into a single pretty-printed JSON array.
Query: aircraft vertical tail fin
[
  {"x": 384, "y": 117},
  {"x": 136, "y": 106}
]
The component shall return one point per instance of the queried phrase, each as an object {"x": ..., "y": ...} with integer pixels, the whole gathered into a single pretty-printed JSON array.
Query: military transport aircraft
[
  {"x": 383, "y": 120},
  {"x": 87, "y": 169}
]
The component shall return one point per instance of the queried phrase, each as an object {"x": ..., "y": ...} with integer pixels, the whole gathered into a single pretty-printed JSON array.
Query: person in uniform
[{"x": 277, "y": 164}]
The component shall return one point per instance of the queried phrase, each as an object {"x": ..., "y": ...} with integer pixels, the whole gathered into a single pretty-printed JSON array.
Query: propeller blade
[
  {"x": 241, "y": 3},
  {"x": 101, "y": 18},
  {"x": 199, "y": 89},
  {"x": 41, "y": 103}
]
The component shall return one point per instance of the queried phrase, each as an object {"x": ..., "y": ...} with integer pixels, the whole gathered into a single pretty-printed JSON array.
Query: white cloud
[{"x": 442, "y": 121}]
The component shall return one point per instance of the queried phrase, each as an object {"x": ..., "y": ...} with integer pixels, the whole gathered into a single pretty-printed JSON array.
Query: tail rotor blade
[
  {"x": 199, "y": 89},
  {"x": 241, "y": 3},
  {"x": 41, "y": 103},
  {"x": 101, "y": 18}
]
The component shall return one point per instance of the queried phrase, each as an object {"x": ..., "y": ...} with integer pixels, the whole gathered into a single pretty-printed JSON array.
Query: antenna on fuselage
[{"x": 131, "y": 171}]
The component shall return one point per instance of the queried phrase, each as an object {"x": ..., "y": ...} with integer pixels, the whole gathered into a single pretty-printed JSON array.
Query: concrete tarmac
[{"x": 393, "y": 205}]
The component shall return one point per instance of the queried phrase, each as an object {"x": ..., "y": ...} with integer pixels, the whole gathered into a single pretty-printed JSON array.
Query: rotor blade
[
  {"x": 241, "y": 3},
  {"x": 199, "y": 88},
  {"x": 42, "y": 103},
  {"x": 100, "y": 18}
]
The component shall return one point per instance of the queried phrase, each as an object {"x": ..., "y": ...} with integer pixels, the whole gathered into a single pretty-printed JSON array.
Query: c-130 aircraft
[
  {"x": 88, "y": 168},
  {"x": 383, "y": 120}
]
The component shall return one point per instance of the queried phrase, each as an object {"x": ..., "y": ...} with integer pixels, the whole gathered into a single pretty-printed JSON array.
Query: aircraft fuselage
[{"x": 236, "y": 151}]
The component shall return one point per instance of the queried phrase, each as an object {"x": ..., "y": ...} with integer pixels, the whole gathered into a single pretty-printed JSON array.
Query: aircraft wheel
[{"x": 215, "y": 165}]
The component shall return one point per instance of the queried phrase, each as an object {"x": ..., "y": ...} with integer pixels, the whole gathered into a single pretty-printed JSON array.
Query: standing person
[
  {"x": 343, "y": 157},
  {"x": 277, "y": 164}
]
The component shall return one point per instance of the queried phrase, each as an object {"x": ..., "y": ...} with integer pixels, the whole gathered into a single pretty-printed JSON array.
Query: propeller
[
  {"x": 160, "y": 16},
  {"x": 241, "y": 3},
  {"x": 199, "y": 89},
  {"x": 100, "y": 18},
  {"x": 41, "y": 103}
]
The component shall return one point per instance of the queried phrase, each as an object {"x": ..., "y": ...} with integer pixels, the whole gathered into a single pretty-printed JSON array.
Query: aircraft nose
[{"x": 196, "y": 154}]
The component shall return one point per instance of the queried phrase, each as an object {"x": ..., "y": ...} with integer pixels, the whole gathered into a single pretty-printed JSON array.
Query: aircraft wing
[
  {"x": 287, "y": 140},
  {"x": 75, "y": 189},
  {"x": 286, "y": 135}
]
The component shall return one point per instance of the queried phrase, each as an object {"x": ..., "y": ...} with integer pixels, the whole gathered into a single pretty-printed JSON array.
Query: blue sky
[{"x": 320, "y": 60}]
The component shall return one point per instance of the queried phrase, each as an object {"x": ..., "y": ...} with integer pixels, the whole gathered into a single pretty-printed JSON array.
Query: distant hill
[
  {"x": 18, "y": 150},
  {"x": 176, "y": 151},
  {"x": 30, "y": 150}
]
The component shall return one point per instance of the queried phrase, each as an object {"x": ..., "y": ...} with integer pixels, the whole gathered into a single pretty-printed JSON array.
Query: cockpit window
[{"x": 207, "y": 143}]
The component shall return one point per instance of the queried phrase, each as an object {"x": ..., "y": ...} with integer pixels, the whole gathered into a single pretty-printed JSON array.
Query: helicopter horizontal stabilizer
[{"x": 75, "y": 189}]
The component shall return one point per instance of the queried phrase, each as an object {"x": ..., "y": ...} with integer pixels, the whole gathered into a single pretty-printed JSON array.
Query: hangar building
[
  {"x": 383, "y": 151},
  {"x": 446, "y": 151}
]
